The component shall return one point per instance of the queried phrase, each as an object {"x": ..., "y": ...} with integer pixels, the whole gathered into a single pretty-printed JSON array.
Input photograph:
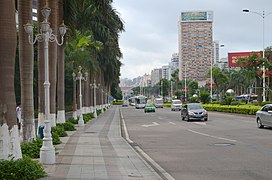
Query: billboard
[
  {"x": 196, "y": 16},
  {"x": 233, "y": 57}
]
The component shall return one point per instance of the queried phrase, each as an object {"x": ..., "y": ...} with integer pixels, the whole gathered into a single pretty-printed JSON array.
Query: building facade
[
  {"x": 156, "y": 76},
  {"x": 195, "y": 30}
]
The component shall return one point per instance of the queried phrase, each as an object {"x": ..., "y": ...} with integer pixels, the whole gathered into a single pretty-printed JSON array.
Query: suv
[{"x": 176, "y": 105}]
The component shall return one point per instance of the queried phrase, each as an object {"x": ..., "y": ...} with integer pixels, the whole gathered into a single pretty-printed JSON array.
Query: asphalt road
[{"x": 227, "y": 146}]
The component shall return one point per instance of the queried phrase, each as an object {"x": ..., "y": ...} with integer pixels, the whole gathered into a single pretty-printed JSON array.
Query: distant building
[
  {"x": 166, "y": 72},
  {"x": 156, "y": 76},
  {"x": 146, "y": 81},
  {"x": 195, "y": 31},
  {"x": 215, "y": 52}
]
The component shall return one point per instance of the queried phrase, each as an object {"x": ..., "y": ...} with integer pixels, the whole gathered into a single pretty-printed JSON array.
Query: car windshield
[
  {"x": 194, "y": 106},
  {"x": 159, "y": 101},
  {"x": 176, "y": 102}
]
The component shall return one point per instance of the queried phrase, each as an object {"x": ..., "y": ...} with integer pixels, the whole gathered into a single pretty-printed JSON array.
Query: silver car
[
  {"x": 264, "y": 116},
  {"x": 194, "y": 111}
]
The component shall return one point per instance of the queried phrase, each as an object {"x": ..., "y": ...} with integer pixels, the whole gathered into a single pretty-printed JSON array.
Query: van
[{"x": 158, "y": 103}]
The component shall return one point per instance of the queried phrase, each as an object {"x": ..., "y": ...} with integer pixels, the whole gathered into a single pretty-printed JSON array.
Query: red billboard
[{"x": 234, "y": 57}]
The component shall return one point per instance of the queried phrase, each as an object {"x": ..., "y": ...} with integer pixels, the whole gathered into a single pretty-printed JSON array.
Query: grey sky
[{"x": 151, "y": 35}]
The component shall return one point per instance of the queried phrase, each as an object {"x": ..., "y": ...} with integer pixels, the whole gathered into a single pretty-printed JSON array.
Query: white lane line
[
  {"x": 150, "y": 125},
  {"x": 216, "y": 137},
  {"x": 172, "y": 123}
]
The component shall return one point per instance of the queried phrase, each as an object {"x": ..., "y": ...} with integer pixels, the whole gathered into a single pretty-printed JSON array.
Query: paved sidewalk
[{"x": 98, "y": 152}]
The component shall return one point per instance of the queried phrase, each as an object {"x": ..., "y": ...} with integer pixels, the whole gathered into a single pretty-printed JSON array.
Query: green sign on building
[{"x": 194, "y": 16}]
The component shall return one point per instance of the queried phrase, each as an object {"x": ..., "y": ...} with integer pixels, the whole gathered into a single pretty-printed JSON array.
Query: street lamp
[
  {"x": 47, "y": 153},
  {"x": 94, "y": 86},
  {"x": 79, "y": 77},
  {"x": 263, "y": 15}
]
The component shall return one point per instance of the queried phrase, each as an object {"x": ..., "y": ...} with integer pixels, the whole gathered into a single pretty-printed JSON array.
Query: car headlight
[
  {"x": 191, "y": 113},
  {"x": 204, "y": 112}
]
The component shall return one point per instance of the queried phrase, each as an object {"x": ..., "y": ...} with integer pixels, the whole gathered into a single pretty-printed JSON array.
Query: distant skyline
[{"x": 151, "y": 33}]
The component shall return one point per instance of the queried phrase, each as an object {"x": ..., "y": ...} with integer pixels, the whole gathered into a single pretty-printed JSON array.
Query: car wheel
[
  {"x": 259, "y": 123},
  {"x": 206, "y": 119}
]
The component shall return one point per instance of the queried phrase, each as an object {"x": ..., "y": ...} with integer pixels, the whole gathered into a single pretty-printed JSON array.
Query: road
[{"x": 227, "y": 146}]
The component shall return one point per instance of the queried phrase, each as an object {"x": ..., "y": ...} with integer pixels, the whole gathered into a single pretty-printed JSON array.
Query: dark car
[
  {"x": 194, "y": 111},
  {"x": 264, "y": 116}
]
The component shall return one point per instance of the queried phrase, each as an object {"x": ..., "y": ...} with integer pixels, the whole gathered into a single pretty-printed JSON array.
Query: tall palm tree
[
  {"x": 61, "y": 91},
  {"x": 41, "y": 102},
  {"x": 53, "y": 52},
  {"x": 8, "y": 126},
  {"x": 26, "y": 71}
]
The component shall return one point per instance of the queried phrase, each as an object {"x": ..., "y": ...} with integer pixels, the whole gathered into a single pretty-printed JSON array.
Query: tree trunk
[
  {"x": 9, "y": 135},
  {"x": 61, "y": 92},
  {"x": 53, "y": 51},
  {"x": 41, "y": 101},
  {"x": 26, "y": 71}
]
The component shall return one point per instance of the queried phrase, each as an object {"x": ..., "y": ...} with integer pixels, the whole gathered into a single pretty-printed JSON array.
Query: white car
[{"x": 176, "y": 105}]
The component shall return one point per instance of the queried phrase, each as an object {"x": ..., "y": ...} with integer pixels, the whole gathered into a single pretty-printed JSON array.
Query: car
[
  {"x": 158, "y": 102},
  {"x": 125, "y": 104},
  {"x": 264, "y": 116},
  {"x": 194, "y": 111},
  {"x": 176, "y": 105},
  {"x": 149, "y": 107}
]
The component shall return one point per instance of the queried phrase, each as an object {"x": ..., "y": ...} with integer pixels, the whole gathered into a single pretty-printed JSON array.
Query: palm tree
[
  {"x": 53, "y": 52},
  {"x": 61, "y": 91},
  {"x": 8, "y": 126},
  {"x": 41, "y": 102},
  {"x": 26, "y": 71}
]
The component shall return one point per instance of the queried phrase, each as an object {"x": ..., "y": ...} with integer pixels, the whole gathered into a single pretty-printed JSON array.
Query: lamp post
[
  {"x": 94, "y": 86},
  {"x": 47, "y": 153},
  {"x": 79, "y": 77},
  {"x": 263, "y": 15}
]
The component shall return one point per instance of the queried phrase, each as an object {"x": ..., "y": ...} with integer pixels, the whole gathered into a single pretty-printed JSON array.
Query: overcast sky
[{"x": 151, "y": 32}]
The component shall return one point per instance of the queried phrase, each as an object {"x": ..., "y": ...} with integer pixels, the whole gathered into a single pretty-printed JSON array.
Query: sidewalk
[{"x": 98, "y": 152}]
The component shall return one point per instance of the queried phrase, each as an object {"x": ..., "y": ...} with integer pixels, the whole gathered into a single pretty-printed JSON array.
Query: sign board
[
  {"x": 196, "y": 16},
  {"x": 235, "y": 56}
]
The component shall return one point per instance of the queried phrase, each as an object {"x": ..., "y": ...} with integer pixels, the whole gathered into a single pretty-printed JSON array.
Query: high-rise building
[
  {"x": 166, "y": 72},
  {"x": 195, "y": 30},
  {"x": 156, "y": 76}
]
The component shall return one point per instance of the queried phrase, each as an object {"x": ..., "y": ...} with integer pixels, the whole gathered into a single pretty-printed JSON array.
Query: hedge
[{"x": 242, "y": 109}]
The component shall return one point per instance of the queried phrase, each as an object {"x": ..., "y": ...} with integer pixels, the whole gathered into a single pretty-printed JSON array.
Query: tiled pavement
[{"x": 98, "y": 152}]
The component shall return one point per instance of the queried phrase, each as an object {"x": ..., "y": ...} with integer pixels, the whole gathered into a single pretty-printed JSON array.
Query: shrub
[
  {"x": 55, "y": 137},
  {"x": 204, "y": 97},
  {"x": 87, "y": 117},
  {"x": 72, "y": 120},
  {"x": 59, "y": 129},
  {"x": 32, "y": 149},
  {"x": 68, "y": 126},
  {"x": 23, "y": 169}
]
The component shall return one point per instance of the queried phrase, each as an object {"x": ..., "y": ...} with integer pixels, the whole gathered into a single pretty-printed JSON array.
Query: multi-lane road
[{"x": 227, "y": 146}]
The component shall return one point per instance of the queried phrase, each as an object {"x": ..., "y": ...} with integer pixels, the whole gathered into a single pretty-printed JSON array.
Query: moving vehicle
[
  {"x": 125, "y": 104},
  {"x": 176, "y": 105},
  {"x": 149, "y": 107},
  {"x": 194, "y": 111},
  {"x": 158, "y": 102},
  {"x": 140, "y": 102},
  {"x": 264, "y": 116},
  {"x": 131, "y": 101}
]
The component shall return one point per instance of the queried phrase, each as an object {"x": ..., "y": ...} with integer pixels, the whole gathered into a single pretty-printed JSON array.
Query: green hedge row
[{"x": 244, "y": 109}]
